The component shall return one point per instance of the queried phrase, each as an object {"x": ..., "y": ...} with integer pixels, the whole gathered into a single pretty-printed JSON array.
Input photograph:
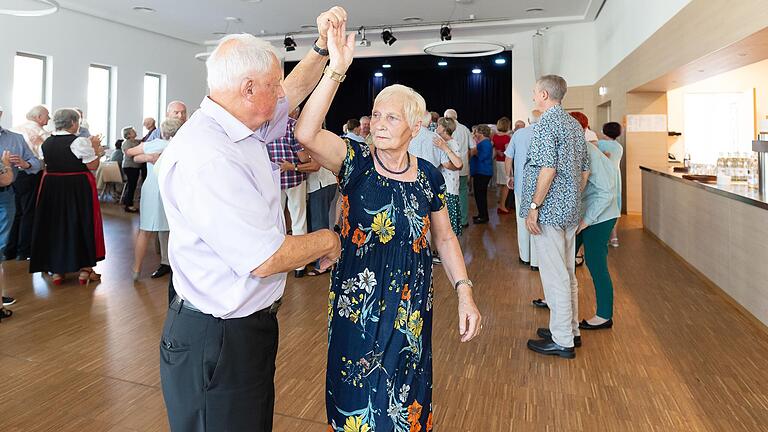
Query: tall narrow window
[
  {"x": 99, "y": 110},
  {"x": 153, "y": 97},
  {"x": 29, "y": 84}
]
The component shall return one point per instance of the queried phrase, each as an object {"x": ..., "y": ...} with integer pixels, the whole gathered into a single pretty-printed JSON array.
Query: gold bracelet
[{"x": 332, "y": 74}]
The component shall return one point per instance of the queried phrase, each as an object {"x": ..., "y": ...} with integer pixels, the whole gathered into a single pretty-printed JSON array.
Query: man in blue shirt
[
  {"x": 21, "y": 158},
  {"x": 517, "y": 153},
  {"x": 483, "y": 171},
  {"x": 555, "y": 174}
]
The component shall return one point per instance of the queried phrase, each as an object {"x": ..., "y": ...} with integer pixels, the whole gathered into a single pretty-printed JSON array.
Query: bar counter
[{"x": 721, "y": 231}]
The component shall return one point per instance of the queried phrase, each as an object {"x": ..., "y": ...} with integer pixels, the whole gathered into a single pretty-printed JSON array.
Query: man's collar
[{"x": 234, "y": 128}]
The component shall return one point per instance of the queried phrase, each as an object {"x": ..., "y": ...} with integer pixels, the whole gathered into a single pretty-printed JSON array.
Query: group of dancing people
[{"x": 400, "y": 206}]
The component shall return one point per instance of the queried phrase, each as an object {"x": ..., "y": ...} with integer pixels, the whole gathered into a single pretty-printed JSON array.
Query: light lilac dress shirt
[{"x": 221, "y": 196}]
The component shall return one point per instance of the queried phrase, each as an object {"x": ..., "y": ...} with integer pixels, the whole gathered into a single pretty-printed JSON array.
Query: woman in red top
[{"x": 500, "y": 142}]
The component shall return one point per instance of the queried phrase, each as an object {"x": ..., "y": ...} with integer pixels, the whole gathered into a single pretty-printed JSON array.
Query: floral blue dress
[{"x": 379, "y": 375}]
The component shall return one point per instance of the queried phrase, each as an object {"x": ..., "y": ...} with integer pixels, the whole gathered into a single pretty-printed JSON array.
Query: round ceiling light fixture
[
  {"x": 464, "y": 48},
  {"x": 52, "y": 8},
  {"x": 413, "y": 19}
]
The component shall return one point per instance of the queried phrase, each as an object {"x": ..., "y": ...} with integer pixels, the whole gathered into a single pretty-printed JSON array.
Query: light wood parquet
[{"x": 680, "y": 357}]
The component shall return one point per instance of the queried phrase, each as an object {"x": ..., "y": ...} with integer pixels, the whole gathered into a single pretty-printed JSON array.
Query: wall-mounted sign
[{"x": 647, "y": 123}]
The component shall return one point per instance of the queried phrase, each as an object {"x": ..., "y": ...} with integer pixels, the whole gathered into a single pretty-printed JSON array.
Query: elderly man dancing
[{"x": 228, "y": 247}]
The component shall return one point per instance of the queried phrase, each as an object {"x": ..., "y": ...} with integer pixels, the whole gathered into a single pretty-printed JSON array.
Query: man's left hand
[
  {"x": 310, "y": 166},
  {"x": 18, "y": 162},
  {"x": 286, "y": 166},
  {"x": 532, "y": 222},
  {"x": 333, "y": 16}
]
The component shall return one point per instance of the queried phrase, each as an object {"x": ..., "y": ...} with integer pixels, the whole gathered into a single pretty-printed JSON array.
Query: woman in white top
[
  {"x": 152, "y": 219},
  {"x": 451, "y": 171}
]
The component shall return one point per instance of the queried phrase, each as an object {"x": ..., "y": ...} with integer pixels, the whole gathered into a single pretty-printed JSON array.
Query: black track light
[
  {"x": 445, "y": 33},
  {"x": 388, "y": 37},
  {"x": 289, "y": 43}
]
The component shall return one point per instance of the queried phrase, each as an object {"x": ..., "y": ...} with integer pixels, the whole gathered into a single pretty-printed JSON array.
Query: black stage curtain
[{"x": 478, "y": 98}]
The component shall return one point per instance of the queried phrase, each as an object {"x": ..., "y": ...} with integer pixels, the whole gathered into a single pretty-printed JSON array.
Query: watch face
[{"x": 534, "y": 206}]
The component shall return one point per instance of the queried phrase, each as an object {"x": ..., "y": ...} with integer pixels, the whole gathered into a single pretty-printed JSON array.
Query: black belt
[{"x": 179, "y": 303}]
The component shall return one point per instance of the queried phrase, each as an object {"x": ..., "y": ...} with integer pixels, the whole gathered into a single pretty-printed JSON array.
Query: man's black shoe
[
  {"x": 548, "y": 347},
  {"x": 479, "y": 221},
  {"x": 523, "y": 262},
  {"x": 540, "y": 303},
  {"x": 299, "y": 273},
  {"x": 546, "y": 334},
  {"x": 22, "y": 257},
  {"x": 534, "y": 268},
  {"x": 161, "y": 271}
]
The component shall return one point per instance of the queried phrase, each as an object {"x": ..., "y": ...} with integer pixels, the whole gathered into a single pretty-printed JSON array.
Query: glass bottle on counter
[{"x": 754, "y": 177}]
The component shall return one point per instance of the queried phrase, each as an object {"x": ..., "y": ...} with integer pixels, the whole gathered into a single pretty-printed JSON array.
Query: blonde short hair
[{"x": 414, "y": 105}]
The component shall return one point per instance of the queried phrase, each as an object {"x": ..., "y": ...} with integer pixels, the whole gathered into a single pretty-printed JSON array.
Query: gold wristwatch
[{"x": 332, "y": 74}]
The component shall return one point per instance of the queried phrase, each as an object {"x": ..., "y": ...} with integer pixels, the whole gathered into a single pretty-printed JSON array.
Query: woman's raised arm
[{"x": 326, "y": 147}]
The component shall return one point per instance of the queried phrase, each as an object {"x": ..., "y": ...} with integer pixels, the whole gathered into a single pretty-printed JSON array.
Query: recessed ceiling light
[
  {"x": 442, "y": 63},
  {"x": 378, "y": 74},
  {"x": 386, "y": 65},
  {"x": 476, "y": 71},
  {"x": 534, "y": 10},
  {"x": 413, "y": 19},
  {"x": 500, "y": 61},
  {"x": 143, "y": 9},
  {"x": 233, "y": 19},
  {"x": 308, "y": 26}
]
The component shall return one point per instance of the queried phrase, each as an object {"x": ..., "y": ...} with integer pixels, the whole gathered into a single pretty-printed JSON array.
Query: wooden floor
[{"x": 680, "y": 357}]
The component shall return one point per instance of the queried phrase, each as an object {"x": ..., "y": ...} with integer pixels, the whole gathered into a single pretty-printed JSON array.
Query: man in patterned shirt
[
  {"x": 555, "y": 173},
  {"x": 288, "y": 153}
]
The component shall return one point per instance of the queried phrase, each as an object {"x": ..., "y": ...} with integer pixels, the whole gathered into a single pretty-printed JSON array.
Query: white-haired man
[
  {"x": 26, "y": 184},
  {"x": 150, "y": 125},
  {"x": 463, "y": 136},
  {"x": 555, "y": 173},
  {"x": 228, "y": 247}
]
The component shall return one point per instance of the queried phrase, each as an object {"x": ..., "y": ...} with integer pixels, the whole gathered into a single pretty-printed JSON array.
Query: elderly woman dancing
[{"x": 379, "y": 374}]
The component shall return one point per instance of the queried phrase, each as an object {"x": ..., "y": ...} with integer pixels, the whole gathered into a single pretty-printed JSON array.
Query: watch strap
[
  {"x": 320, "y": 51},
  {"x": 463, "y": 282}
]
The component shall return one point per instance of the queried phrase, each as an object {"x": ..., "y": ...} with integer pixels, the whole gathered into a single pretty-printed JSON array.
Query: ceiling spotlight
[
  {"x": 289, "y": 43},
  {"x": 500, "y": 61},
  {"x": 442, "y": 63},
  {"x": 476, "y": 71},
  {"x": 378, "y": 74},
  {"x": 386, "y": 65},
  {"x": 388, "y": 37},
  {"x": 445, "y": 33}
]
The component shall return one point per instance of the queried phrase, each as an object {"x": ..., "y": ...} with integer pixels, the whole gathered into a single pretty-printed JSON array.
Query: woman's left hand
[
  {"x": 341, "y": 47},
  {"x": 470, "y": 321}
]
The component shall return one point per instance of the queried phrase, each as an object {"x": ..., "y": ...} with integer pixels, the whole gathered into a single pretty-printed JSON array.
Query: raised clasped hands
[{"x": 341, "y": 47}]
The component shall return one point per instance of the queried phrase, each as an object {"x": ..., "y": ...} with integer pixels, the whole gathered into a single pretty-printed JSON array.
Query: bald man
[
  {"x": 150, "y": 125},
  {"x": 176, "y": 109}
]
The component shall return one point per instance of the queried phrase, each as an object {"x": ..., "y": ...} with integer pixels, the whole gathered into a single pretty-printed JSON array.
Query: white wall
[
  {"x": 75, "y": 40},
  {"x": 623, "y": 25}
]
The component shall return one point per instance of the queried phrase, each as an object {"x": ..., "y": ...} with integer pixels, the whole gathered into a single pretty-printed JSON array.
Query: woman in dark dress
[
  {"x": 379, "y": 373},
  {"x": 68, "y": 235}
]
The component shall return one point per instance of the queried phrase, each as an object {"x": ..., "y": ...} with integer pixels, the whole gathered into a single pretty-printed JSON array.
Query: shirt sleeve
[
  {"x": 237, "y": 224},
  {"x": 510, "y": 151},
  {"x": 437, "y": 183},
  {"x": 83, "y": 150},
  {"x": 155, "y": 146},
  {"x": 585, "y": 162},
  {"x": 356, "y": 162}
]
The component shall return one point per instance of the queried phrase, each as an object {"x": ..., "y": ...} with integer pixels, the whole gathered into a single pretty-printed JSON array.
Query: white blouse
[{"x": 81, "y": 148}]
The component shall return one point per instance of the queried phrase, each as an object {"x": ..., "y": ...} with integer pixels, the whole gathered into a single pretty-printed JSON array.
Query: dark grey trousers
[{"x": 218, "y": 374}]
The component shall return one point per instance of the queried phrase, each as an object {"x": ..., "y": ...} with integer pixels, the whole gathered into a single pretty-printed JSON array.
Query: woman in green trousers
[{"x": 600, "y": 211}]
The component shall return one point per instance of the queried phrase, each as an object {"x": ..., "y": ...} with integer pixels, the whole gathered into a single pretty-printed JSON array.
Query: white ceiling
[{"x": 197, "y": 20}]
